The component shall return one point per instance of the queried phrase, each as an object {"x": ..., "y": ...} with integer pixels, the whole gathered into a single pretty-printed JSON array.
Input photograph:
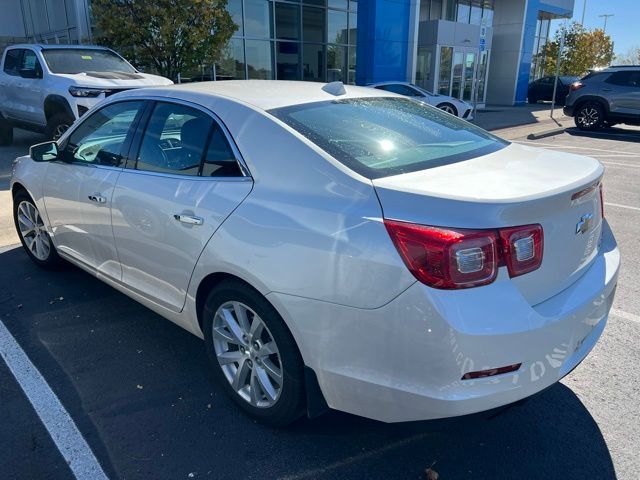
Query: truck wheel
[
  {"x": 57, "y": 125},
  {"x": 6, "y": 133}
]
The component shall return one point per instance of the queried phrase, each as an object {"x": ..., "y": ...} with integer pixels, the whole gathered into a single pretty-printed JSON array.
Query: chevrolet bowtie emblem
[{"x": 583, "y": 225}]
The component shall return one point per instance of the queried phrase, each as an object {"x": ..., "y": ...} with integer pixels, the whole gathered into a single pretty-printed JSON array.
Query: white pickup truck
[{"x": 44, "y": 88}]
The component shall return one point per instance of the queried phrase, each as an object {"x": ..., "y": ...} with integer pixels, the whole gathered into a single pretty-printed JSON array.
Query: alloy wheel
[
  {"x": 59, "y": 130},
  {"x": 247, "y": 354},
  {"x": 33, "y": 231},
  {"x": 448, "y": 109},
  {"x": 588, "y": 117}
]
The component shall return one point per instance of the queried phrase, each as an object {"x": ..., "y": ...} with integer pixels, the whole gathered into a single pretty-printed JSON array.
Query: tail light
[
  {"x": 522, "y": 248},
  {"x": 576, "y": 86},
  {"x": 458, "y": 258}
]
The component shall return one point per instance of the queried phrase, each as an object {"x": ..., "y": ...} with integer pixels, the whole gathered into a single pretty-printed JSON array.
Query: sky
[{"x": 622, "y": 27}]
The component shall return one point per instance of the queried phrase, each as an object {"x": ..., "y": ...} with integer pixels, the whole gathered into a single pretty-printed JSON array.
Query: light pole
[
  {"x": 584, "y": 9},
  {"x": 606, "y": 16}
]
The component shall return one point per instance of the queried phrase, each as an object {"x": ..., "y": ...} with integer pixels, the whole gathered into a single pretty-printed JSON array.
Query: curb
[{"x": 545, "y": 133}]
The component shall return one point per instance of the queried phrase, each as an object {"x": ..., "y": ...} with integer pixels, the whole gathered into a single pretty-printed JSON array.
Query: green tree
[
  {"x": 583, "y": 50},
  {"x": 169, "y": 36}
]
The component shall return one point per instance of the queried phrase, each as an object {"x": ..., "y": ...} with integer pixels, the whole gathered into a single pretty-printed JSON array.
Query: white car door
[
  {"x": 79, "y": 186},
  {"x": 29, "y": 101},
  {"x": 181, "y": 184},
  {"x": 9, "y": 80}
]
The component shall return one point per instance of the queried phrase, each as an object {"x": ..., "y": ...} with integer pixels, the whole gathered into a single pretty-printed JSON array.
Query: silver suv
[{"x": 606, "y": 97}]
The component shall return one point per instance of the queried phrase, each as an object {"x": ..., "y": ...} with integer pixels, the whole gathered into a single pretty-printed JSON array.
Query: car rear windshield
[
  {"x": 77, "y": 60},
  {"x": 379, "y": 137}
]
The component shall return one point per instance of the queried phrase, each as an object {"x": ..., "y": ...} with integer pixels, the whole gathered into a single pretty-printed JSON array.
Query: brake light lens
[
  {"x": 460, "y": 258},
  {"x": 522, "y": 248},
  {"x": 576, "y": 86}
]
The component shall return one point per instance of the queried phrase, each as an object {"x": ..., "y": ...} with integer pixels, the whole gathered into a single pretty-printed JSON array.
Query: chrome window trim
[
  {"x": 230, "y": 140},
  {"x": 246, "y": 173}
]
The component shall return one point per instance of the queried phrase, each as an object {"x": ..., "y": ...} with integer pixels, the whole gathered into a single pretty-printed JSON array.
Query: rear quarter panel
[{"x": 308, "y": 228}]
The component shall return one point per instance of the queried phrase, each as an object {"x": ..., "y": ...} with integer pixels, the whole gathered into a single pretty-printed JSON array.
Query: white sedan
[
  {"x": 335, "y": 246},
  {"x": 448, "y": 104}
]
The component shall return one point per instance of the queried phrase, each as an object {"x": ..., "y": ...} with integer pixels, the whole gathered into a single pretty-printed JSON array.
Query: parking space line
[
  {"x": 622, "y": 206},
  {"x": 560, "y": 146},
  {"x": 63, "y": 430},
  {"x": 625, "y": 315},
  {"x": 356, "y": 458},
  {"x": 604, "y": 162}
]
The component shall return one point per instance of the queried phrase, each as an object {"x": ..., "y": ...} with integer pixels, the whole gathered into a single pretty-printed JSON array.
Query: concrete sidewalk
[{"x": 521, "y": 120}]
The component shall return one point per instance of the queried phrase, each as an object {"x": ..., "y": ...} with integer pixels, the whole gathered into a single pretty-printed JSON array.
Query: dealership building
[{"x": 462, "y": 48}]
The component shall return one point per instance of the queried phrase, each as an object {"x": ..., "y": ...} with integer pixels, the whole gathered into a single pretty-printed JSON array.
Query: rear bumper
[{"x": 405, "y": 361}]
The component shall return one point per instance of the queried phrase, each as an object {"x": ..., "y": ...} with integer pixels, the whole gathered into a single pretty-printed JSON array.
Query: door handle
[
  {"x": 96, "y": 197},
  {"x": 189, "y": 219}
]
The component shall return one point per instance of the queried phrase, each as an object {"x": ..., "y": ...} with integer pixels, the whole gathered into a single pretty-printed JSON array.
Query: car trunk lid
[{"x": 517, "y": 185}]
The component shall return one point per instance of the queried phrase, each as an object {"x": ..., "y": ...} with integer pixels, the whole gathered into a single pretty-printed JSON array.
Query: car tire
[
  {"x": 6, "y": 133},
  {"x": 247, "y": 362},
  {"x": 57, "y": 125},
  {"x": 449, "y": 108},
  {"x": 33, "y": 233},
  {"x": 589, "y": 116}
]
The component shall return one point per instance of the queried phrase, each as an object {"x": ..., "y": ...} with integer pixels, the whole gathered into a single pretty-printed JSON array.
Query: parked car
[
  {"x": 448, "y": 104},
  {"x": 542, "y": 89},
  {"x": 606, "y": 97},
  {"x": 335, "y": 246},
  {"x": 45, "y": 88}
]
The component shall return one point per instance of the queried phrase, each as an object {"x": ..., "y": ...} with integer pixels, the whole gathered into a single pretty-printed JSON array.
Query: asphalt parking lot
[{"x": 137, "y": 387}]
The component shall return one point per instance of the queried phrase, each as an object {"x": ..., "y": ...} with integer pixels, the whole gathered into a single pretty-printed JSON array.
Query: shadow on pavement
[
  {"x": 613, "y": 133},
  {"x": 138, "y": 388}
]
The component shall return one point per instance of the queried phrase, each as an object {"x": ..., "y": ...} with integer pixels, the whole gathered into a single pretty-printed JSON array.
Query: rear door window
[
  {"x": 400, "y": 89},
  {"x": 378, "y": 137},
  {"x": 174, "y": 140}
]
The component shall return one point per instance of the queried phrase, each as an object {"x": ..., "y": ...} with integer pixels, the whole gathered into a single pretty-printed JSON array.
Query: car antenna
[{"x": 335, "y": 88}]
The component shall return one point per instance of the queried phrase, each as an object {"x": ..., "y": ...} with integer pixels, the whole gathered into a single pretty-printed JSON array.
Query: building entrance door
[{"x": 457, "y": 69}]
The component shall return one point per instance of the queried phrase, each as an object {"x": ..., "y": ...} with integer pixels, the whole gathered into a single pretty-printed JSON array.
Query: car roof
[
  {"x": 378, "y": 84},
  {"x": 261, "y": 94},
  {"x": 47, "y": 46}
]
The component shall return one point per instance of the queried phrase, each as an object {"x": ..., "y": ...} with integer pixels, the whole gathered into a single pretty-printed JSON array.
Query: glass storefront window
[
  {"x": 287, "y": 21},
  {"x": 336, "y": 63},
  {"x": 476, "y": 12},
  {"x": 352, "y": 65},
  {"x": 456, "y": 84},
  {"x": 487, "y": 12},
  {"x": 231, "y": 64},
  {"x": 235, "y": 10},
  {"x": 444, "y": 77},
  {"x": 288, "y": 60},
  {"x": 423, "y": 67},
  {"x": 313, "y": 63},
  {"x": 314, "y": 24},
  {"x": 464, "y": 9},
  {"x": 291, "y": 39},
  {"x": 482, "y": 75},
  {"x": 257, "y": 18},
  {"x": 435, "y": 11},
  {"x": 337, "y": 26},
  {"x": 469, "y": 67},
  {"x": 342, "y": 4},
  {"x": 449, "y": 10},
  {"x": 353, "y": 28},
  {"x": 259, "y": 59}
]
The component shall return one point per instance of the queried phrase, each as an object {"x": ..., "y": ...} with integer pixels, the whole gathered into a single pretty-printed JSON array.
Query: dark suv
[{"x": 606, "y": 97}]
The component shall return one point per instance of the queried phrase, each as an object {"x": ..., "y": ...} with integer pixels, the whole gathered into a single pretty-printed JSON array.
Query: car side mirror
[
  {"x": 44, "y": 152},
  {"x": 29, "y": 73}
]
